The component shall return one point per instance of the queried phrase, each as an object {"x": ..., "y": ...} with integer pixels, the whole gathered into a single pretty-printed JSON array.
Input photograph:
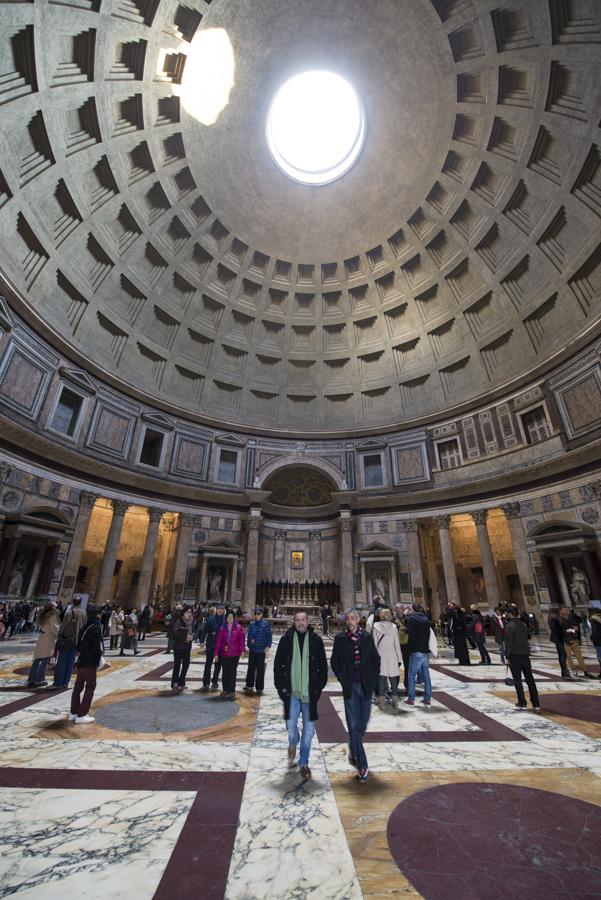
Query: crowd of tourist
[{"x": 367, "y": 659}]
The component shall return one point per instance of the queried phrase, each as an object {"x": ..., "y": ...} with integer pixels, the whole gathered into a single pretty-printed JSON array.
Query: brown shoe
[
  {"x": 291, "y": 754},
  {"x": 305, "y": 772}
]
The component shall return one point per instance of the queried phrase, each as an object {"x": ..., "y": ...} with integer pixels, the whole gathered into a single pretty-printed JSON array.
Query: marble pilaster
[
  {"x": 347, "y": 587},
  {"x": 86, "y": 506},
  {"x": 111, "y": 549},
  {"x": 415, "y": 559},
  {"x": 493, "y": 596},
  {"x": 182, "y": 551},
  {"x": 448, "y": 560},
  {"x": 146, "y": 566},
  {"x": 512, "y": 513},
  {"x": 252, "y": 559}
]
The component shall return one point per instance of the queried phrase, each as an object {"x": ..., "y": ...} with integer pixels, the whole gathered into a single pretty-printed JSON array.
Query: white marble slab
[{"x": 68, "y": 844}]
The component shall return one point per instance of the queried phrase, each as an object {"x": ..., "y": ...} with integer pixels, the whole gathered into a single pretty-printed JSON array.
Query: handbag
[
  {"x": 508, "y": 681},
  {"x": 432, "y": 644}
]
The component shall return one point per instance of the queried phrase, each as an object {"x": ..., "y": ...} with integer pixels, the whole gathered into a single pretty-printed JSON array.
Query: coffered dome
[{"x": 146, "y": 226}]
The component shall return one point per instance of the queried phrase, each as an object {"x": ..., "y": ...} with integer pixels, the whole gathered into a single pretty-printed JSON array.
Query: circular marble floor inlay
[
  {"x": 497, "y": 840},
  {"x": 184, "y": 712}
]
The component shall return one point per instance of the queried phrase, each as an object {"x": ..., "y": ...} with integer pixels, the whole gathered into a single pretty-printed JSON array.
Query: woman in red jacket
[{"x": 229, "y": 647}]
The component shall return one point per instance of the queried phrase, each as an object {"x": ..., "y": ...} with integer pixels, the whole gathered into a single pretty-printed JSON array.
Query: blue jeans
[
  {"x": 64, "y": 667},
  {"x": 357, "y": 709},
  {"x": 418, "y": 664},
  {"x": 38, "y": 670},
  {"x": 296, "y": 707}
]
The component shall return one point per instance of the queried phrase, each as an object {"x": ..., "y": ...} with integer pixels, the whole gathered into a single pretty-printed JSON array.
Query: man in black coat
[
  {"x": 356, "y": 665},
  {"x": 458, "y": 632},
  {"x": 517, "y": 651},
  {"x": 90, "y": 648},
  {"x": 299, "y": 682}
]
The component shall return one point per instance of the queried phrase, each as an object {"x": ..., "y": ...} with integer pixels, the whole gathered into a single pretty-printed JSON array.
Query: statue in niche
[
  {"x": 17, "y": 574},
  {"x": 380, "y": 587},
  {"x": 215, "y": 587},
  {"x": 580, "y": 589}
]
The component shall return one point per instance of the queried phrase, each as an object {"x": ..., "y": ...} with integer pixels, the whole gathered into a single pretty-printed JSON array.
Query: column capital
[
  {"x": 346, "y": 524},
  {"x": 87, "y": 499},
  {"x": 186, "y": 520},
  {"x": 155, "y": 514},
  {"x": 280, "y": 535},
  {"x": 512, "y": 510},
  {"x": 442, "y": 521},
  {"x": 480, "y": 516},
  {"x": 596, "y": 489},
  {"x": 410, "y": 524},
  {"x": 315, "y": 535},
  {"x": 120, "y": 507},
  {"x": 254, "y": 523},
  {"x": 5, "y": 470}
]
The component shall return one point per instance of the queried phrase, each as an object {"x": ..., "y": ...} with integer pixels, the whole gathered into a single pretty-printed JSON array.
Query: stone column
[
  {"x": 201, "y": 591},
  {"x": 147, "y": 564},
  {"x": 448, "y": 560},
  {"x": 347, "y": 587},
  {"x": 363, "y": 568},
  {"x": 252, "y": 560},
  {"x": 553, "y": 588},
  {"x": 394, "y": 583},
  {"x": 182, "y": 551},
  {"x": 86, "y": 506},
  {"x": 233, "y": 579},
  {"x": 280, "y": 546},
  {"x": 415, "y": 560},
  {"x": 512, "y": 513},
  {"x": 111, "y": 548},
  {"x": 591, "y": 566},
  {"x": 9, "y": 555},
  {"x": 49, "y": 562},
  {"x": 488, "y": 563},
  {"x": 314, "y": 568}
]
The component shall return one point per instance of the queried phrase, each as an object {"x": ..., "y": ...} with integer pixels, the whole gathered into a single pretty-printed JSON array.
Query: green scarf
[{"x": 300, "y": 669}]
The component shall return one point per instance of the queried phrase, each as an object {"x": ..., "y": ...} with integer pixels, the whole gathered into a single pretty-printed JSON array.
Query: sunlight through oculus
[{"x": 315, "y": 127}]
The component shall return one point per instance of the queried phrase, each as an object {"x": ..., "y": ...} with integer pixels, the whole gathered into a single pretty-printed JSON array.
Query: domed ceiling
[{"x": 145, "y": 224}]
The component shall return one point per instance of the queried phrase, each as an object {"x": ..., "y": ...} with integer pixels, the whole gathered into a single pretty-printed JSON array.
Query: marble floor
[{"x": 191, "y": 797}]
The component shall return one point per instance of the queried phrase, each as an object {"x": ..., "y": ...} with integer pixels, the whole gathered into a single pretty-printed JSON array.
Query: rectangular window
[
  {"x": 152, "y": 448},
  {"x": 228, "y": 464},
  {"x": 372, "y": 470},
  {"x": 66, "y": 414},
  {"x": 536, "y": 427},
  {"x": 449, "y": 454}
]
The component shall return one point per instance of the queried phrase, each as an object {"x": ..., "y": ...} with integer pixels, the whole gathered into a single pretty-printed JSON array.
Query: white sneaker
[
  {"x": 72, "y": 717},
  {"x": 84, "y": 720}
]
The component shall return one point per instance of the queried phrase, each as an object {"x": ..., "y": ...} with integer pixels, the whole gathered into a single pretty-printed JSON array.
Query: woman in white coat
[{"x": 386, "y": 639}]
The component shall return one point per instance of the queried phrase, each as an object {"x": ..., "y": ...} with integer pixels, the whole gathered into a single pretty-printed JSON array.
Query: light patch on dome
[{"x": 209, "y": 75}]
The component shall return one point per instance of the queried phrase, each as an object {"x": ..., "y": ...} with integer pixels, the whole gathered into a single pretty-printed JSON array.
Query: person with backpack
[
  {"x": 477, "y": 633},
  {"x": 386, "y": 638},
  {"x": 90, "y": 649},
  {"x": 182, "y": 634},
  {"x": 74, "y": 620},
  {"x": 49, "y": 622}
]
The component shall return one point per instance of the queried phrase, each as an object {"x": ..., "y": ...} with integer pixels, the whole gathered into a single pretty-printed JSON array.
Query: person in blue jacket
[
  {"x": 258, "y": 641},
  {"x": 208, "y": 638}
]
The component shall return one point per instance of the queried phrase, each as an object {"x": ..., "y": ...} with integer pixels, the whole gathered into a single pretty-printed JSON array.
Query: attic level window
[
  {"x": 152, "y": 448},
  {"x": 228, "y": 464},
  {"x": 449, "y": 454},
  {"x": 536, "y": 426},
  {"x": 372, "y": 470},
  {"x": 315, "y": 127},
  {"x": 66, "y": 414}
]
